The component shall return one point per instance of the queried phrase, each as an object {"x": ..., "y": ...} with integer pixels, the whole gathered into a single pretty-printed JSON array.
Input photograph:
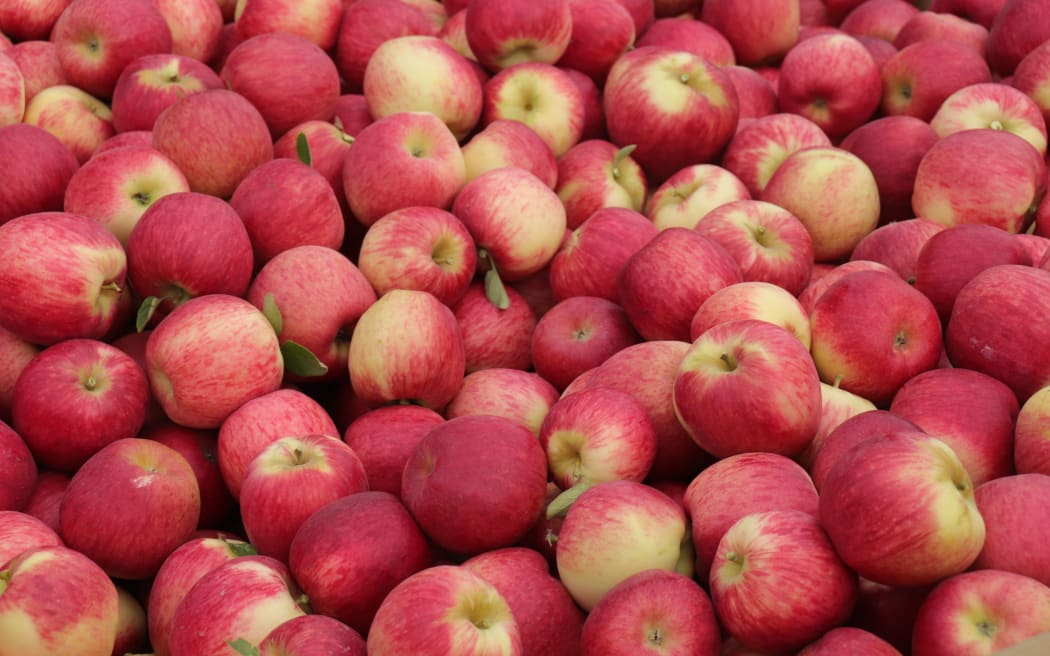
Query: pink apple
[
  {"x": 690, "y": 194},
  {"x": 368, "y": 23},
  {"x": 995, "y": 327},
  {"x": 30, "y": 19},
  {"x": 986, "y": 610},
  {"x": 95, "y": 44},
  {"x": 591, "y": 257},
  {"x": 287, "y": 78},
  {"x": 36, "y": 170},
  {"x": 540, "y": 95},
  {"x": 881, "y": 51},
  {"x": 1030, "y": 77},
  {"x": 836, "y": 406},
  {"x": 752, "y": 300},
  {"x": 882, "y": 19},
  {"x": 992, "y": 105},
  {"x": 593, "y": 114},
  {"x": 1031, "y": 439},
  {"x": 1018, "y": 28},
  {"x": 900, "y": 510},
  {"x": 602, "y": 30},
  {"x": 520, "y": 396},
  {"x": 495, "y": 337},
  {"x": 759, "y": 147},
  {"x": 129, "y": 506},
  {"x": 47, "y": 496},
  {"x": 663, "y": 283},
  {"x": 196, "y": 27},
  {"x": 593, "y": 175},
  {"x": 756, "y": 95},
  {"x": 150, "y": 84},
  {"x": 196, "y": 331},
  {"x": 215, "y": 137},
  {"x": 416, "y": 147},
  {"x": 444, "y": 609},
  {"x": 981, "y": 12},
  {"x": 503, "y": 484},
  {"x": 577, "y": 334},
  {"x": 726, "y": 367},
  {"x": 19, "y": 471},
  {"x": 1013, "y": 508},
  {"x": 937, "y": 24},
  {"x": 312, "y": 634},
  {"x": 676, "y": 107},
  {"x": 15, "y": 354},
  {"x": 79, "y": 120},
  {"x": 247, "y": 431},
  {"x": 507, "y": 142},
  {"x": 693, "y": 36},
  {"x": 760, "y": 32},
  {"x": 902, "y": 336},
  {"x": 88, "y": 258},
  {"x": 502, "y": 34},
  {"x": 918, "y": 79},
  {"x": 131, "y": 635},
  {"x": 852, "y": 431},
  {"x": 384, "y": 438},
  {"x": 328, "y": 144},
  {"x": 769, "y": 243},
  {"x": 21, "y": 532},
  {"x": 56, "y": 600},
  {"x": 652, "y": 611},
  {"x": 12, "y": 92},
  {"x": 137, "y": 138},
  {"x": 199, "y": 448},
  {"x": 819, "y": 284},
  {"x": 316, "y": 20},
  {"x": 848, "y": 639}
]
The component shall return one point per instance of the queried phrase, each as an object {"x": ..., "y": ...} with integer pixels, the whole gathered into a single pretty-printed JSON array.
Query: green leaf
[
  {"x": 620, "y": 156},
  {"x": 243, "y": 647},
  {"x": 300, "y": 361},
  {"x": 302, "y": 149},
  {"x": 559, "y": 507},
  {"x": 146, "y": 310},
  {"x": 239, "y": 548},
  {"x": 495, "y": 291},
  {"x": 272, "y": 313}
]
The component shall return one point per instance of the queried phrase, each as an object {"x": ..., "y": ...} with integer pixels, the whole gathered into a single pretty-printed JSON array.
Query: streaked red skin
[
  {"x": 495, "y": 338},
  {"x": 328, "y": 144},
  {"x": 137, "y": 104},
  {"x": 196, "y": 27},
  {"x": 897, "y": 245},
  {"x": 522, "y": 147},
  {"x": 316, "y": 21},
  {"x": 755, "y": 150},
  {"x": 882, "y": 19},
  {"x": 15, "y": 354},
  {"x": 20, "y": 532},
  {"x": 933, "y": 24},
  {"x": 1018, "y": 28},
  {"x": 522, "y": 396},
  {"x": 200, "y": 448},
  {"x": 36, "y": 170},
  {"x": 313, "y": 635},
  {"x": 28, "y": 19},
  {"x": 690, "y": 35},
  {"x": 368, "y": 23},
  {"x": 588, "y": 181},
  {"x": 851, "y": 431},
  {"x": 601, "y": 31},
  {"x": 1014, "y": 509},
  {"x": 849, "y": 640},
  {"x": 38, "y": 61},
  {"x": 384, "y": 438},
  {"x": 496, "y": 28},
  {"x": 46, "y": 499}
]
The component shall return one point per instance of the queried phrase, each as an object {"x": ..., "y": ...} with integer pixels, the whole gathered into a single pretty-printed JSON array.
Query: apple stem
[
  {"x": 729, "y": 360},
  {"x": 90, "y": 383},
  {"x": 112, "y": 286},
  {"x": 303, "y": 602},
  {"x": 619, "y": 157},
  {"x": 838, "y": 381}
]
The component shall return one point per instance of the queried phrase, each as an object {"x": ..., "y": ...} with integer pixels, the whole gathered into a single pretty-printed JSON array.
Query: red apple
[
  {"x": 196, "y": 27},
  {"x": 520, "y": 396},
  {"x": 495, "y": 337},
  {"x": 593, "y": 175},
  {"x": 199, "y": 448},
  {"x": 693, "y": 36},
  {"x": 384, "y": 438},
  {"x": 19, "y": 471},
  {"x": 982, "y": 12},
  {"x": 897, "y": 245},
  {"x": 686, "y": 197},
  {"x": 368, "y": 23},
  {"x": 819, "y": 284},
  {"x": 502, "y": 34},
  {"x": 602, "y": 30},
  {"x": 21, "y": 532},
  {"x": 1031, "y": 439},
  {"x": 316, "y": 20},
  {"x": 30, "y": 19},
  {"x": 1014, "y": 509},
  {"x": 1030, "y": 77},
  {"x": 992, "y": 105},
  {"x": 937, "y": 24},
  {"x": 47, "y": 496},
  {"x": 882, "y": 19},
  {"x": 888, "y": 612},
  {"x": 1018, "y": 28},
  {"x": 752, "y": 300},
  {"x": 852, "y": 431},
  {"x": 507, "y": 142},
  {"x": 12, "y": 92},
  {"x": 922, "y": 75},
  {"x": 35, "y": 171},
  {"x": 760, "y": 32},
  {"x": 540, "y": 95},
  {"x": 759, "y": 147},
  {"x": 850, "y": 640},
  {"x": 80, "y": 121}
]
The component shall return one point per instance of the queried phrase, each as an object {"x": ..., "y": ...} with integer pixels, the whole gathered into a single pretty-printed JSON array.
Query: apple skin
[
  {"x": 936, "y": 24},
  {"x": 146, "y": 492},
  {"x": 328, "y": 144},
  {"x": 79, "y": 120},
  {"x": 523, "y": 397},
  {"x": 652, "y": 612},
  {"x": 317, "y": 20},
  {"x": 199, "y": 448},
  {"x": 850, "y": 640},
  {"x": 36, "y": 170},
  {"x": 992, "y": 105},
  {"x": 900, "y": 511},
  {"x": 387, "y": 149},
  {"x": 1030, "y": 77},
  {"x": 612, "y": 531},
  {"x": 758, "y": 368},
  {"x": 686, "y": 267},
  {"x": 284, "y": 203},
  {"x": 758, "y": 148},
  {"x": 691, "y": 193},
  {"x": 23, "y": 20},
  {"x": 368, "y": 23},
  {"x": 543, "y": 97},
  {"x": 979, "y": 336},
  {"x": 444, "y": 609},
  {"x": 57, "y": 601},
  {"x": 769, "y": 243},
  {"x": 1018, "y": 28},
  {"x": 903, "y": 337},
  {"x": 104, "y": 393},
  {"x": 752, "y": 300},
  {"x": 205, "y": 622},
  {"x": 384, "y": 438},
  {"x": 494, "y": 337},
  {"x": 755, "y": 93},
  {"x": 151, "y": 83},
  {"x": 595, "y": 174},
  {"x": 897, "y": 245},
  {"x": 980, "y": 612},
  {"x": 506, "y": 142},
  {"x": 195, "y": 26},
  {"x": 737, "y": 486},
  {"x": 185, "y": 245},
  {"x": 315, "y": 635},
  {"x": 446, "y": 475},
  {"x": 215, "y": 137},
  {"x": 549, "y": 621},
  {"x": 15, "y": 354},
  {"x": 881, "y": 19},
  {"x": 759, "y": 555},
  {"x": 760, "y": 32},
  {"x": 1014, "y": 509},
  {"x": 19, "y": 471},
  {"x": 502, "y": 34},
  {"x": 94, "y": 44},
  {"x": 12, "y": 91},
  {"x": 852, "y": 431},
  {"x": 21, "y": 532},
  {"x": 821, "y": 281},
  {"x": 693, "y": 36},
  {"x": 602, "y": 30},
  {"x": 577, "y": 334},
  {"x": 47, "y": 497},
  {"x": 919, "y": 77},
  {"x": 982, "y": 12},
  {"x": 685, "y": 123},
  {"x": 1031, "y": 439}
]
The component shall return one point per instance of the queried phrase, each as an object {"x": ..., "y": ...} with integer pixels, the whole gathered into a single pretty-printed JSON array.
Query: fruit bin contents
[{"x": 524, "y": 327}]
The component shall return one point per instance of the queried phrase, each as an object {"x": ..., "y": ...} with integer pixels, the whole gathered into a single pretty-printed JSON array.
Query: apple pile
[{"x": 524, "y": 327}]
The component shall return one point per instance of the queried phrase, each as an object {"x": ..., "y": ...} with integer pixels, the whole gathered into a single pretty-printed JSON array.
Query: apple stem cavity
[
  {"x": 996, "y": 125},
  {"x": 303, "y": 602}
]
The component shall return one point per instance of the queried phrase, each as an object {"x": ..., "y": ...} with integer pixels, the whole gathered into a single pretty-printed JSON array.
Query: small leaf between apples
[
  {"x": 495, "y": 292},
  {"x": 300, "y": 361},
  {"x": 302, "y": 149},
  {"x": 243, "y": 647},
  {"x": 272, "y": 313},
  {"x": 240, "y": 549},
  {"x": 146, "y": 310},
  {"x": 559, "y": 507}
]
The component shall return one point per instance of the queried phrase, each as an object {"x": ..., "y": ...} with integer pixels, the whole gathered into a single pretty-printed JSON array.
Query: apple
[
  {"x": 821, "y": 281},
  {"x": 665, "y": 281},
  {"x": 312, "y": 634},
  {"x": 1030, "y": 77},
  {"x": 56, "y": 600},
  {"x": 1018, "y": 28},
  {"x": 502, "y": 34},
  {"x": 118, "y": 186},
  {"x": 986, "y": 610},
  {"x": 22, "y": 532},
  {"x": 685, "y": 198},
  {"x": 422, "y": 248},
  {"x": 19, "y": 471},
  {"x": 612, "y": 531},
  {"x": 194, "y": 332},
  {"x": 933, "y": 25},
  {"x": 46, "y": 499},
  {"x": 384, "y": 438},
  {"x": 882, "y": 19},
  {"x": 902, "y": 336},
  {"x": 316, "y": 20},
  {"x": 1012, "y": 507},
  {"x": 602, "y": 30},
  {"x": 540, "y": 95},
  {"x": 131, "y": 634},
  {"x": 755, "y": 93},
  {"x": 953, "y": 256},
  {"x": 981, "y": 12},
  {"x": 422, "y": 73},
  {"x": 444, "y": 609},
  {"x": 88, "y": 258},
  {"x": 495, "y": 337},
  {"x": 676, "y": 107},
  {"x": 138, "y": 138},
  {"x": 752, "y": 300},
  {"x": 1031, "y": 439},
  {"x": 769, "y": 243},
  {"x": 247, "y": 431},
  {"x": 290, "y": 480},
  {"x": 888, "y": 612},
  {"x": 921, "y": 76},
  {"x": 145, "y": 492},
  {"x": 992, "y": 105},
  {"x": 94, "y": 44},
  {"x": 195, "y": 26},
  {"x": 900, "y": 510},
  {"x": 577, "y": 334},
  {"x": 852, "y": 431},
  {"x": 351, "y": 112},
  {"x": 523, "y": 397},
  {"x": 726, "y": 367},
  {"x": 30, "y": 19},
  {"x": 205, "y": 623},
  {"x": 651, "y": 611},
  {"x": 693, "y": 36},
  {"x": 215, "y": 137},
  {"x": 365, "y": 25},
  {"x": 200, "y": 449},
  {"x": 36, "y": 170},
  {"x": 79, "y": 120},
  {"x": 508, "y": 142},
  {"x": 15, "y": 354},
  {"x": 503, "y": 485},
  {"x": 327, "y": 143},
  {"x": 759, "y": 147},
  {"x": 12, "y": 92},
  {"x": 185, "y": 245},
  {"x": 760, "y": 32},
  {"x": 994, "y": 327},
  {"x": 737, "y": 486},
  {"x": 848, "y": 639},
  {"x": 416, "y": 147},
  {"x": 593, "y": 175},
  {"x": 151, "y": 83}
]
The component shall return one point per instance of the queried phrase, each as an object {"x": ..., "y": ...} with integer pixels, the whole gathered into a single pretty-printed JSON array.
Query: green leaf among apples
[{"x": 298, "y": 359}]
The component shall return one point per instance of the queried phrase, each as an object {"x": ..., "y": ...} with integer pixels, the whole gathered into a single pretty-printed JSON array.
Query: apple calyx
[
  {"x": 619, "y": 157},
  {"x": 655, "y": 637},
  {"x": 986, "y": 628},
  {"x": 298, "y": 360},
  {"x": 243, "y": 647},
  {"x": 559, "y": 506},
  {"x": 495, "y": 292},
  {"x": 302, "y": 149}
]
